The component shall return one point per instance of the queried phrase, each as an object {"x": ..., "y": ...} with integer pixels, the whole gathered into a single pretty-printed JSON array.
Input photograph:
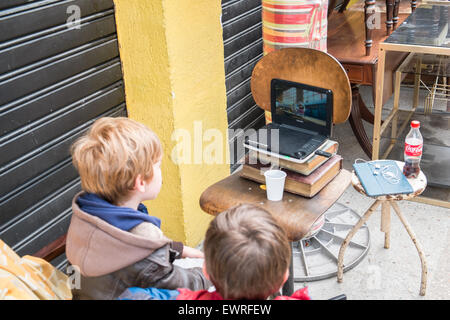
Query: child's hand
[{"x": 189, "y": 252}]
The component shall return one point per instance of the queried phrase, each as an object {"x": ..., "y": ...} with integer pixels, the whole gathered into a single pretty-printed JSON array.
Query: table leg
[
  {"x": 366, "y": 114},
  {"x": 418, "y": 68},
  {"x": 386, "y": 222},
  {"x": 378, "y": 104},
  {"x": 394, "y": 133},
  {"x": 288, "y": 287},
  {"x": 356, "y": 123},
  {"x": 397, "y": 86},
  {"x": 447, "y": 93},
  {"x": 423, "y": 283},
  {"x": 364, "y": 218}
]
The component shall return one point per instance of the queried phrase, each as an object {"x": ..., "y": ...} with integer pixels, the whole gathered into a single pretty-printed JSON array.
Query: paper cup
[{"x": 275, "y": 184}]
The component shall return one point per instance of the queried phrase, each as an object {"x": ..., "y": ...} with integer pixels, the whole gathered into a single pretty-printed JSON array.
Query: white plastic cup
[{"x": 275, "y": 184}]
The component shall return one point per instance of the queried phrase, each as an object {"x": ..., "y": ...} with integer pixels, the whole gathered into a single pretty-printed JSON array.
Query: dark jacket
[{"x": 111, "y": 260}]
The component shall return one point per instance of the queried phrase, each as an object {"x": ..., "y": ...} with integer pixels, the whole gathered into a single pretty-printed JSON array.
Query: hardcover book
[
  {"x": 304, "y": 168},
  {"x": 307, "y": 186}
]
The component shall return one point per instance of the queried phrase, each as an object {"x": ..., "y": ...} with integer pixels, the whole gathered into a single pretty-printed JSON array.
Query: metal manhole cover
[{"x": 315, "y": 257}]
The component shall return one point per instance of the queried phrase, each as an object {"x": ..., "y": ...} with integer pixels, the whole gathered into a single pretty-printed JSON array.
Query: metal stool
[{"x": 388, "y": 201}]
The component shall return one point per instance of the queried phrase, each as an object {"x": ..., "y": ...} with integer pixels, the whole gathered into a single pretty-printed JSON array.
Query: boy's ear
[
  {"x": 205, "y": 272},
  {"x": 139, "y": 184},
  {"x": 286, "y": 276}
]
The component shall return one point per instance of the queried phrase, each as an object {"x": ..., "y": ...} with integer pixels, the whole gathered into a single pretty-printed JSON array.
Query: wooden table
[
  {"x": 409, "y": 38},
  {"x": 345, "y": 42},
  {"x": 388, "y": 201},
  {"x": 295, "y": 214}
]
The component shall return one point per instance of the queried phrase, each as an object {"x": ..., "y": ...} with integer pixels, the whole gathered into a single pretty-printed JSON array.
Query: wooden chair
[
  {"x": 304, "y": 65},
  {"x": 295, "y": 214}
]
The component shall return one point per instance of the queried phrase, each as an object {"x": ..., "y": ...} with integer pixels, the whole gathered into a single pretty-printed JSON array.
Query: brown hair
[
  {"x": 246, "y": 253},
  {"x": 111, "y": 155}
]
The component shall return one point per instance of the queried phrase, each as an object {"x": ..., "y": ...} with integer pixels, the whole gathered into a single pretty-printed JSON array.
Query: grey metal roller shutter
[
  {"x": 55, "y": 81},
  {"x": 243, "y": 47}
]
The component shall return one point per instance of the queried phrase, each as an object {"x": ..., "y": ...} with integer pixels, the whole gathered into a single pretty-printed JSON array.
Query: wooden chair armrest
[{"x": 52, "y": 250}]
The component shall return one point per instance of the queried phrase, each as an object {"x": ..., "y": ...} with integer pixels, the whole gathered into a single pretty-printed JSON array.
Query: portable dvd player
[{"x": 301, "y": 121}]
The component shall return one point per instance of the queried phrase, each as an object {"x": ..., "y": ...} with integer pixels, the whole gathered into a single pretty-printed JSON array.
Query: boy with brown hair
[
  {"x": 112, "y": 239},
  {"x": 247, "y": 256}
]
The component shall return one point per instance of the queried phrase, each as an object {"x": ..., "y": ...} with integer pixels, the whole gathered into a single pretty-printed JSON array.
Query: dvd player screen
[{"x": 301, "y": 105}]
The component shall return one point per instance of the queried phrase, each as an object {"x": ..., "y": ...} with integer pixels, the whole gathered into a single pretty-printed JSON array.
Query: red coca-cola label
[{"x": 413, "y": 151}]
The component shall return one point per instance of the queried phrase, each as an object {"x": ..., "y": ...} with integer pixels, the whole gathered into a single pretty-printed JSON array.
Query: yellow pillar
[{"x": 173, "y": 67}]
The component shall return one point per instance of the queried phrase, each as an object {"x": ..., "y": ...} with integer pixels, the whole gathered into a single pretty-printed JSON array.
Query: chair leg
[
  {"x": 369, "y": 10},
  {"x": 389, "y": 15},
  {"x": 364, "y": 218},
  {"x": 343, "y": 6},
  {"x": 331, "y": 6},
  {"x": 423, "y": 283},
  {"x": 413, "y": 5}
]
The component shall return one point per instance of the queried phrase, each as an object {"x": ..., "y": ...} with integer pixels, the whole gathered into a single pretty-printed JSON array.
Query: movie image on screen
[{"x": 302, "y": 105}]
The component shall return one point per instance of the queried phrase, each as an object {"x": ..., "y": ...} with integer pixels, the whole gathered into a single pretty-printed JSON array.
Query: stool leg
[
  {"x": 350, "y": 235},
  {"x": 386, "y": 222},
  {"x": 423, "y": 284}
]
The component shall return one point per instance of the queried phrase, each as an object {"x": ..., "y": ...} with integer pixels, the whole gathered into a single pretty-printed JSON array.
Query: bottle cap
[{"x": 415, "y": 124}]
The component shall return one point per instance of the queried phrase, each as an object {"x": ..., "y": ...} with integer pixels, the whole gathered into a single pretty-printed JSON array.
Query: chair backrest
[{"x": 308, "y": 66}]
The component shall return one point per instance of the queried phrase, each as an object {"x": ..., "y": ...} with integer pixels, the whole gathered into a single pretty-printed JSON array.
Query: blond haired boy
[{"x": 112, "y": 239}]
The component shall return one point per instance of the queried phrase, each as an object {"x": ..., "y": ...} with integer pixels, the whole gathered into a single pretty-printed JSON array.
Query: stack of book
[{"x": 305, "y": 179}]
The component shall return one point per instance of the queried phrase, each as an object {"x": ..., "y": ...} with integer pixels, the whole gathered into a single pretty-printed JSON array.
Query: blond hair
[
  {"x": 246, "y": 253},
  {"x": 111, "y": 155}
]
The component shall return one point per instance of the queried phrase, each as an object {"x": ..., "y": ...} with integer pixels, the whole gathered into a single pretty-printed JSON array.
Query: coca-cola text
[{"x": 414, "y": 151}]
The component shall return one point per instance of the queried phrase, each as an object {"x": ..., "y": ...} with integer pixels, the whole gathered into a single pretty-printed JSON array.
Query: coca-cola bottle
[{"x": 413, "y": 151}]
